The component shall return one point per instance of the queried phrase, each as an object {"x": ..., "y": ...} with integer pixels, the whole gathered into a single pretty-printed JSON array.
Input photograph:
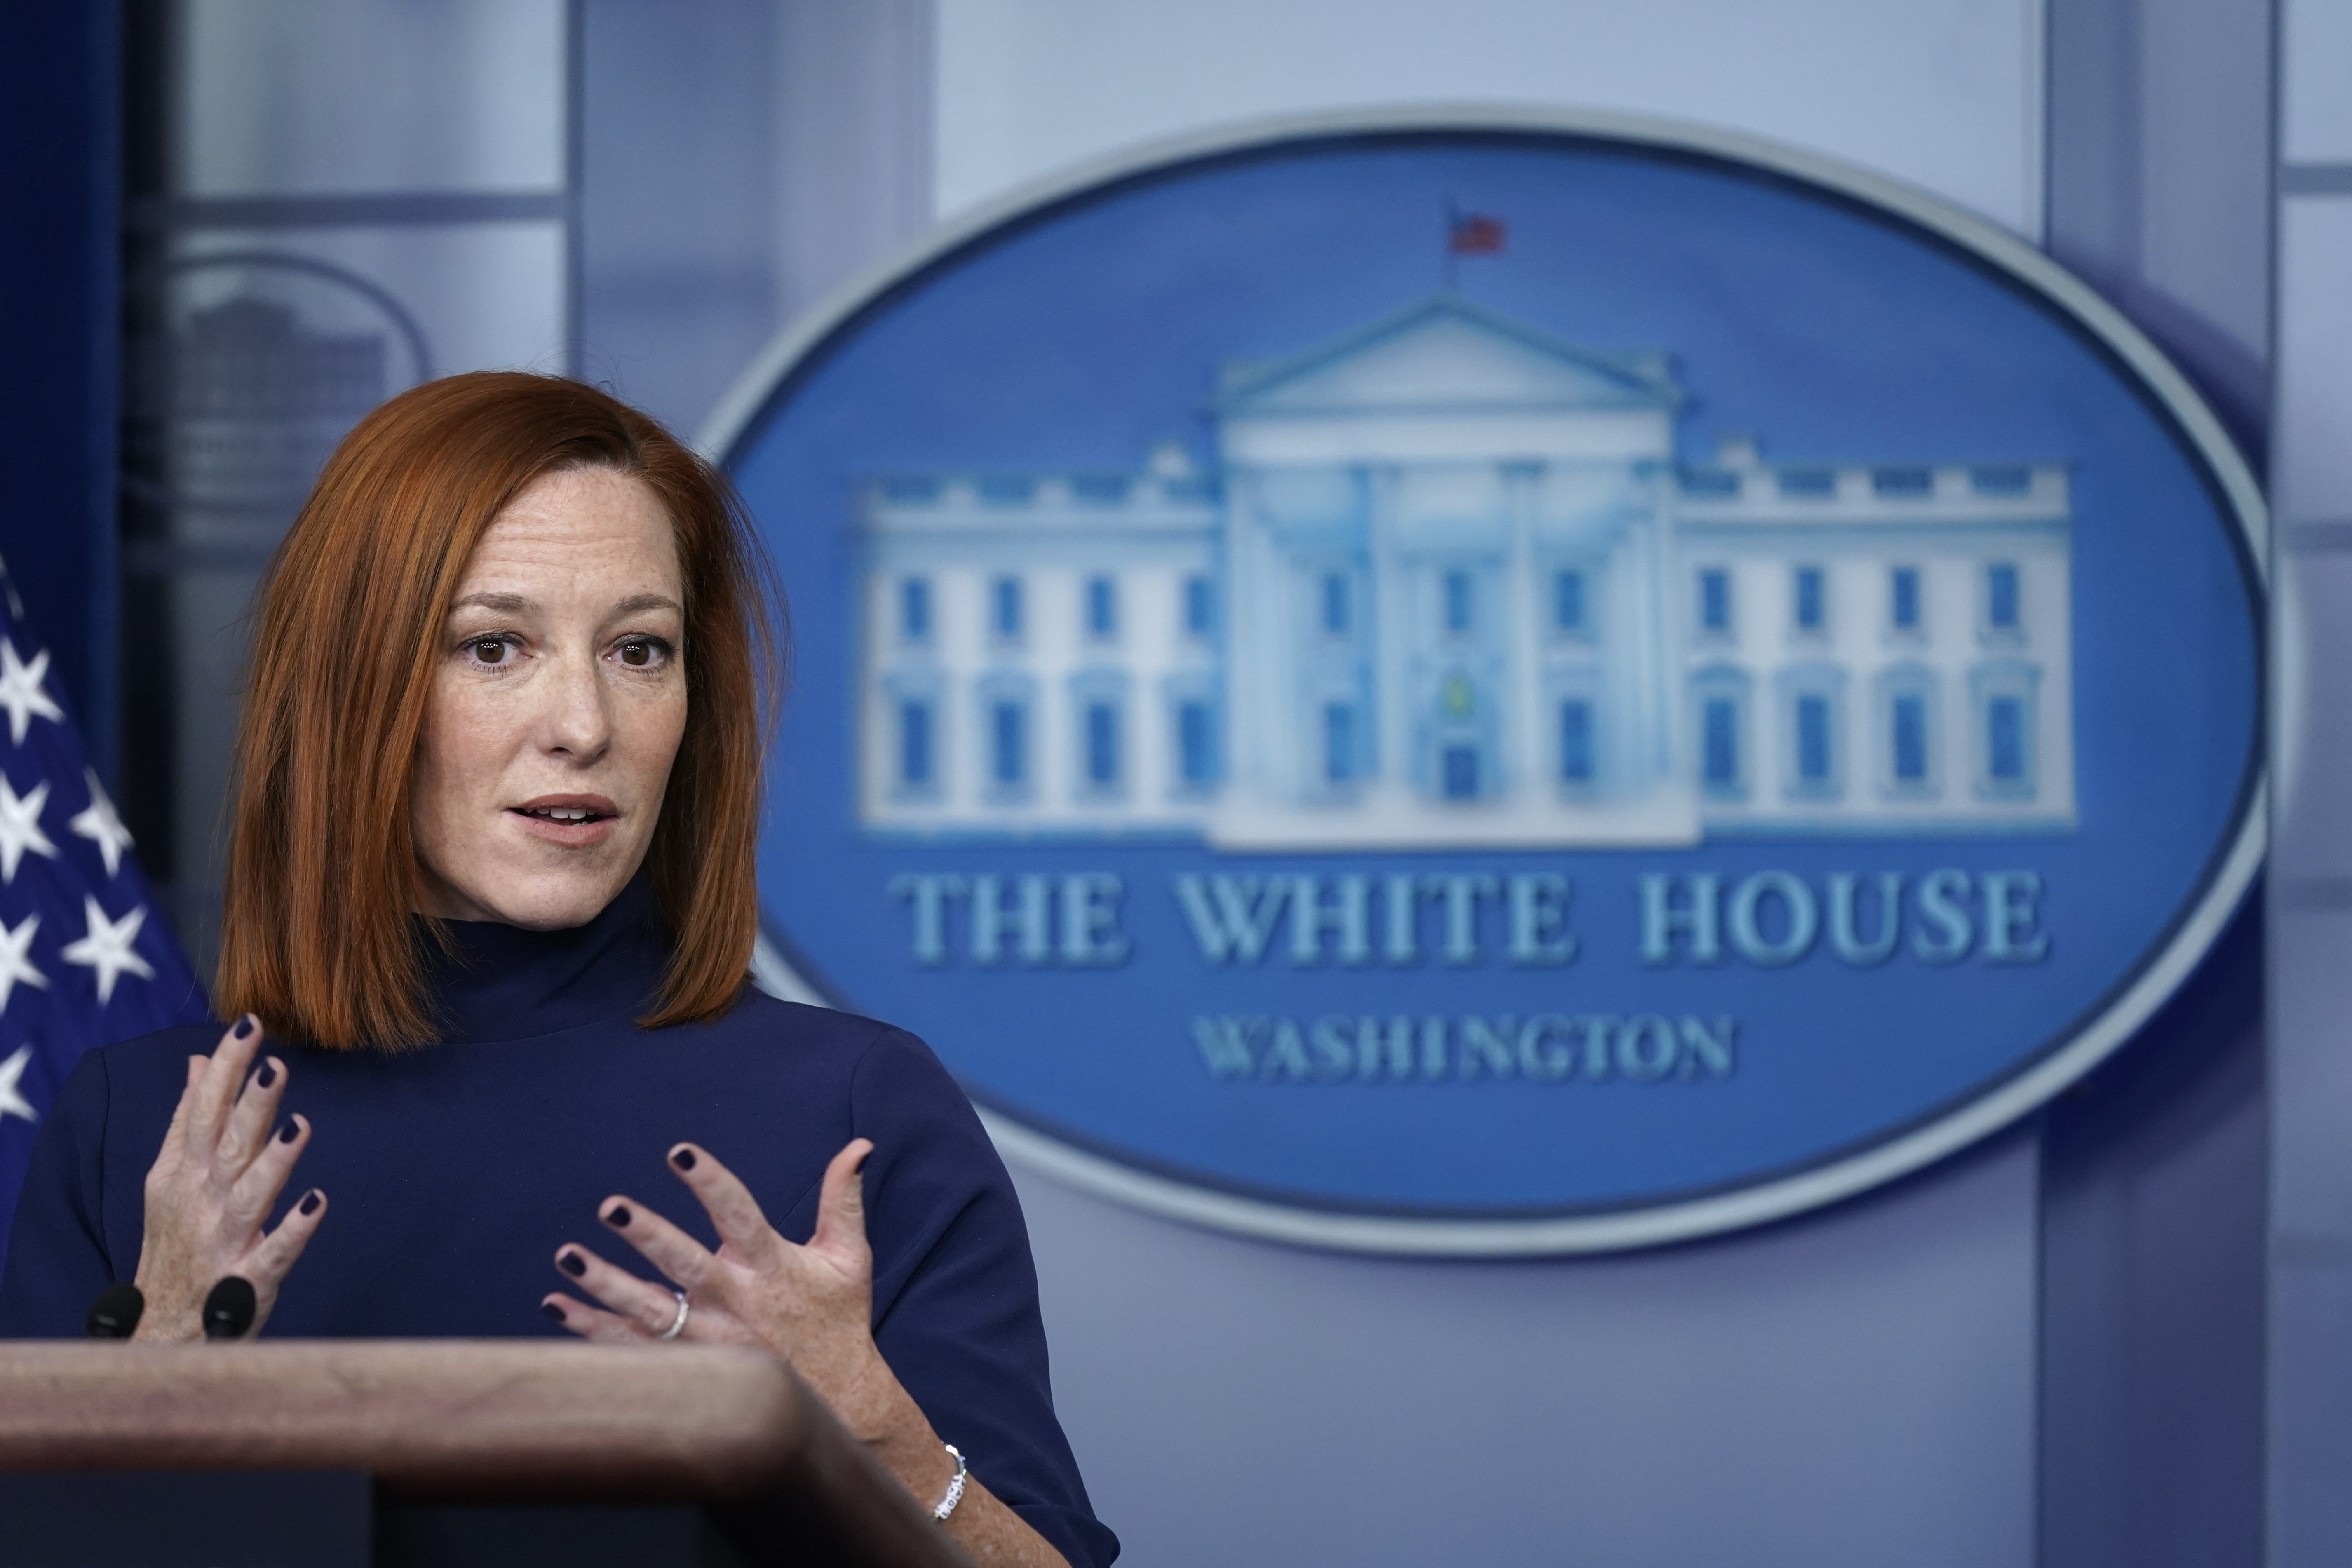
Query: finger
[
  {"x": 223, "y": 1076},
  {"x": 666, "y": 1248},
  {"x": 256, "y": 1192},
  {"x": 841, "y": 1204},
  {"x": 251, "y": 1119},
  {"x": 733, "y": 1208},
  {"x": 175, "y": 1135},
  {"x": 649, "y": 1306},
  {"x": 589, "y": 1323},
  {"x": 270, "y": 1262}
]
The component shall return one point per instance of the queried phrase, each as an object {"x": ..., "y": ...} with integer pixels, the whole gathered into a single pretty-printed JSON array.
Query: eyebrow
[
  {"x": 516, "y": 604},
  {"x": 504, "y": 604},
  {"x": 637, "y": 604}
]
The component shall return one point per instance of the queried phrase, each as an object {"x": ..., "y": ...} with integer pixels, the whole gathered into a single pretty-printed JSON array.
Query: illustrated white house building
[{"x": 1449, "y": 585}]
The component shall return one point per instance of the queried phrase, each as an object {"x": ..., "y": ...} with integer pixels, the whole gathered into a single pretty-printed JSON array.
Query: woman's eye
[
  {"x": 640, "y": 654},
  {"x": 491, "y": 650}
]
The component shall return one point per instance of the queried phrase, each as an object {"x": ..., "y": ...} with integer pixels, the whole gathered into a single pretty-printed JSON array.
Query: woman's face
[{"x": 557, "y": 705}]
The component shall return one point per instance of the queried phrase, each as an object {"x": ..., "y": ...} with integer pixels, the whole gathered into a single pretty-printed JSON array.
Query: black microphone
[
  {"x": 228, "y": 1310},
  {"x": 115, "y": 1314}
]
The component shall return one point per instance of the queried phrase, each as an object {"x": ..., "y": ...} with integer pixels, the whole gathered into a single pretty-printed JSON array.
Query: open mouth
[
  {"x": 574, "y": 819},
  {"x": 567, "y": 815}
]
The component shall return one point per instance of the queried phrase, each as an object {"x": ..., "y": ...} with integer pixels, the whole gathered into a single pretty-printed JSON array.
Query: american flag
[{"x": 84, "y": 957}]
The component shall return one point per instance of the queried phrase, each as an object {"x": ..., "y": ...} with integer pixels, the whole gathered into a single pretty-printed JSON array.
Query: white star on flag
[
  {"x": 20, "y": 829},
  {"x": 99, "y": 823},
  {"x": 12, "y": 1097},
  {"x": 21, "y": 694},
  {"x": 13, "y": 965},
  {"x": 107, "y": 948}
]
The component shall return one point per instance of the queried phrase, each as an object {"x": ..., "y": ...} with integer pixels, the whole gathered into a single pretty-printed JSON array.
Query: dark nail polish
[
  {"x": 573, "y": 1264},
  {"x": 552, "y": 1310},
  {"x": 291, "y": 1131},
  {"x": 683, "y": 1159},
  {"x": 268, "y": 1075},
  {"x": 617, "y": 1217},
  {"x": 245, "y": 1027},
  {"x": 311, "y": 1201}
]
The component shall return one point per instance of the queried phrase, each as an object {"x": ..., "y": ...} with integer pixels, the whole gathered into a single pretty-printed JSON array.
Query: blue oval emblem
[{"x": 1431, "y": 684}]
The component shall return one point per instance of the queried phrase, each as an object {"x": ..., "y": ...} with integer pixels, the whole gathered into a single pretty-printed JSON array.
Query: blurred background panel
[
  {"x": 2050, "y": 1350},
  {"x": 326, "y": 204},
  {"x": 276, "y": 97}
]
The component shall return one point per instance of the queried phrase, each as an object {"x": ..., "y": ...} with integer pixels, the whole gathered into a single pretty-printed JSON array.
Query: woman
[{"x": 491, "y": 889}]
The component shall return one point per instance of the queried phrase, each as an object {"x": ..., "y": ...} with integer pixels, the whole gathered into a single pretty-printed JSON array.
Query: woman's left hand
[{"x": 813, "y": 1305}]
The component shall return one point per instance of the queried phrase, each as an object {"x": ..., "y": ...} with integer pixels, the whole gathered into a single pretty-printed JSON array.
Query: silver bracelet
[{"x": 955, "y": 1487}]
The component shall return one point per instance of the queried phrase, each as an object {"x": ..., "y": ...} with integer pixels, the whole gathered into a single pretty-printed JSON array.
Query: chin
[{"x": 550, "y": 903}]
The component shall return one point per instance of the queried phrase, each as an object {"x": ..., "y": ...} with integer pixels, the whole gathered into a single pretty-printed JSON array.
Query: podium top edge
[{"x": 429, "y": 1418}]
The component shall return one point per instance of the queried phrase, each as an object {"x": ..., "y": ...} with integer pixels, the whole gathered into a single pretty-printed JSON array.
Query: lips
[{"x": 574, "y": 821}]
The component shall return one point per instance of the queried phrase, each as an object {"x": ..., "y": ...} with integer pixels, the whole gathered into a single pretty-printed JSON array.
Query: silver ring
[{"x": 678, "y": 1327}]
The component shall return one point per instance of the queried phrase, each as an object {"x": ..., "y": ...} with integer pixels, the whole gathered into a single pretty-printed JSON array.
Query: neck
[{"x": 500, "y": 981}]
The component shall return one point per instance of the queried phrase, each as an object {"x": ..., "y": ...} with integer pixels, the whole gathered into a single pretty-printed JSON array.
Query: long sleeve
[{"x": 57, "y": 1256}]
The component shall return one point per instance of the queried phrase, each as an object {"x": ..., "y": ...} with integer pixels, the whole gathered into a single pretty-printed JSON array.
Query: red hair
[{"x": 318, "y": 933}]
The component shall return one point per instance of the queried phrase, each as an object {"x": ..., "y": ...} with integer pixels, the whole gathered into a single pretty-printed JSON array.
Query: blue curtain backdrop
[{"x": 60, "y": 155}]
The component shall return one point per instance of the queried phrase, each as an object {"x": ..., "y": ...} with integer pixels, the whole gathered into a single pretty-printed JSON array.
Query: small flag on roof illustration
[{"x": 1474, "y": 234}]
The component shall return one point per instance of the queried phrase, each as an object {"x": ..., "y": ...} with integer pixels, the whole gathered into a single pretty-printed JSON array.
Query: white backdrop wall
[
  {"x": 1946, "y": 94},
  {"x": 2310, "y": 1384}
]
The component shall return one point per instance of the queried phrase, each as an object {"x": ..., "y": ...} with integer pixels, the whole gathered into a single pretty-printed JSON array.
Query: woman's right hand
[{"x": 223, "y": 1164}]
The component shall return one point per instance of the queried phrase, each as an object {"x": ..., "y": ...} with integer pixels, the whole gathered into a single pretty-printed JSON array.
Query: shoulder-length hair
[{"x": 319, "y": 937}]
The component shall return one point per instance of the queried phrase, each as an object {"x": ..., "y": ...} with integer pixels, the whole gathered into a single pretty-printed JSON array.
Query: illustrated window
[
  {"x": 1101, "y": 728},
  {"x": 1903, "y": 599},
  {"x": 1576, "y": 758},
  {"x": 1809, "y": 590},
  {"x": 1458, "y": 772},
  {"x": 1812, "y": 700},
  {"x": 1200, "y": 608},
  {"x": 1008, "y": 743},
  {"x": 915, "y": 609},
  {"x": 1102, "y": 608},
  {"x": 1719, "y": 707},
  {"x": 1196, "y": 744},
  {"x": 1908, "y": 727},
  {"x": 1334, "y": 603},
  {"x": 914, "y": 727},
  {"x": 1339, "y": 742},
  {"x": 1004, "y": 609},
  {"x": 1567, "y": 608},
  {"x": 1719, "y": 749},
  {"x": 1813, "y": 746},
  {"x": 1460, "y": 596},
  {"x": 2004, "y": 612},
  {"x": 917, "y": 742},
  {"x": 2005, "y": 701},
  {"x": 1715, "y": 600}
]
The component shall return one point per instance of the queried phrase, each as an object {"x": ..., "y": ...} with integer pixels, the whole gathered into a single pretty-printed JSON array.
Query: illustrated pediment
[{"x": 1446, "y": 353}]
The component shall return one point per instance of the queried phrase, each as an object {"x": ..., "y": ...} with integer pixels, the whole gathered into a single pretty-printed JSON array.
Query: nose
[{"x": 575, "y": 723}]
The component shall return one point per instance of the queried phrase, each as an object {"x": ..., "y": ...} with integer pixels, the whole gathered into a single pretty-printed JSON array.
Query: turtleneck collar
[{"x": 502, "y": 982}]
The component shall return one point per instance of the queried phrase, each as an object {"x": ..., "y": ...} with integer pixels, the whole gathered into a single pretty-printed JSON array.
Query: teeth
[{"x": 561, "y": 813}]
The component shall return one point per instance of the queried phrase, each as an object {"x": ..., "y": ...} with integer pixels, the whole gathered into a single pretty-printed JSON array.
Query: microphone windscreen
[
  {"x": 115, "y": 1314},
  {"x": 228, "y": 1310}
]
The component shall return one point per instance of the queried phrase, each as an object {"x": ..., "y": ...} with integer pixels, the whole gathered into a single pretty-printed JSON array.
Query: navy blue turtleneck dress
[{"x": 454, "y": 1172}]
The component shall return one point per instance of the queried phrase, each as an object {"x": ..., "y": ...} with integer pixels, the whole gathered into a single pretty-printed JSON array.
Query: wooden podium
[{"x": 446, "y": 1451}]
